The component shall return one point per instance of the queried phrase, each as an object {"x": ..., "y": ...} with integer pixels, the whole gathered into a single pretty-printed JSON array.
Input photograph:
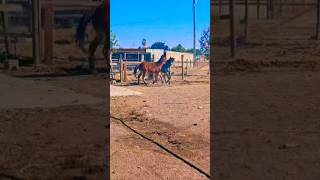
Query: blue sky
[{"x": 169, "y": 21}]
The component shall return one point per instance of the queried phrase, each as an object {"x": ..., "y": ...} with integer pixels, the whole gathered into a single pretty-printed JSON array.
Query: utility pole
[{"x": 194, "y": 30}]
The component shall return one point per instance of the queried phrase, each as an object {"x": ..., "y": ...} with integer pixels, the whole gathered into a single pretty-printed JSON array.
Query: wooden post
[
  {"x": 30, "y": 14},
  {"x": 280, "y": 7},
  {"x": 271, "y": 9},
  {"x": 246, "y": 20},
  {"x": 258, "y": 9},
  {"x": 150, "y": 76},
  {"x": 268, "y": 9},
  {"x": 318, "y": 20},
  {"x": 41, "y": 20},
  {"x": 35, "y": 32},
  {"x": 232, "y": 27},
  {"x": 187, "y": 62},
  {"x": 125, "y": 71},
  {"x": 121, "y": 68},
  {"x": 110, "y": 57},
  {"x": 5, "y": 31},
  {"x": 48, "y": 39},
  {"x": 220, "y": 8},
  {"x": 182, "y": 70}
]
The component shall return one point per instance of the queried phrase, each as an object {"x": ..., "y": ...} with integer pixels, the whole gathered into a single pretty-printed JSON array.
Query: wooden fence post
[
  {"x": 4, "y": 19},
  {"x": 246, "y": 20},
  {"x": 121, "y": 68},
  {"x": 125, "y": 71},
  {"x": 48, "y": 38},
  {"x": 268, "y": 9},
  {"x": 182, "y": 70},
  {"x": 220, "y": 8},
  {"x": 318, "y": 21},
  {"x": 187, "y": 62},
  {"x": 272, "y": 9},
  {"x": 35, "y": 32},
  {"x": 280, "y": 7},
  {"x": 232, "y": 27},
  {"x": 258, "y": 9}
]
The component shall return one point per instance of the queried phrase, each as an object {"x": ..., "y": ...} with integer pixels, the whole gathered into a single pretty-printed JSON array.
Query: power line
[{"x": 151, "y": 20}]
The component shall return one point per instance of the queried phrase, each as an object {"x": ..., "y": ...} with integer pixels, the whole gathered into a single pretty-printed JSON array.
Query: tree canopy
[
  {"x": 178, "y": 48},
  {"x": 198, "y": 52},
  {"x": 205, "y": 42},
  {"x": 144, "y": 43},
  {"x": 113, "y": 40},
  {"x": 159, "y": 45}
]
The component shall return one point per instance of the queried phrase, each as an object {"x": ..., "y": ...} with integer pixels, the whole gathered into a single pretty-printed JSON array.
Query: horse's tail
[
  {"x": 81, "y": 30},
  {"x": 136, "y": 70}
]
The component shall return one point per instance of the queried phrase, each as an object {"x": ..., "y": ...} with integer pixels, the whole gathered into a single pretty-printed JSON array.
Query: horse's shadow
[
  {"x": 135, "y": 84},
  {"x": 127, "y": 84}
]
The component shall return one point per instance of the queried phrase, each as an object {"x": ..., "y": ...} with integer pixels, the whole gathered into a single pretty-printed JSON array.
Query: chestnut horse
[{"x": 150, "y": 67}]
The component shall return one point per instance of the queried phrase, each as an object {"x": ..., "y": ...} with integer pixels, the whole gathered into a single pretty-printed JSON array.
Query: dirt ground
[
  {"x": 68, "y": 142},
  {"x": 65, "y": 142},
  {"x": 267, "y": 104},
  {"x": 176, "y": 116}
]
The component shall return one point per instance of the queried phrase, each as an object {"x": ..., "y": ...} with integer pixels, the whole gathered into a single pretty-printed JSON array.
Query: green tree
[
  {"x": 159, "y": 45},
  {"x": 178, "y": 48},
  {"x": 113, "y": 40},
  {"x": 205, "y": 42},
  {"x": 198, "y": 52}
]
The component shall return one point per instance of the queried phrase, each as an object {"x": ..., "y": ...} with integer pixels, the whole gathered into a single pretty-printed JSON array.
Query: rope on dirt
[{"x": 164, "y": 148}]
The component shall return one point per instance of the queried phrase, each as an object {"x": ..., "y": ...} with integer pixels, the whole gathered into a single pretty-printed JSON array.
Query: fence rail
[{"x": 123, "y": 67}]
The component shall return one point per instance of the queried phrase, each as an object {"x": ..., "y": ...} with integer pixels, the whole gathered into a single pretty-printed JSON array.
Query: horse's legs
[
  {"x": 169, "y": 76},
  {"x": 107, "y": 57},
  {"x": 157, "y": 76},
  {"x": 164, "y": 77},
  {"x": 143, "y": 75},
  {"x": 155, "y": 79},
  {"x": 92, "y": 49},
  {"x": 139, "y": 77}
]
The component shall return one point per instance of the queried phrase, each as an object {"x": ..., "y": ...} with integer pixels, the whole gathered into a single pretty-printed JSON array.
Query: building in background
[{"x": 150, "y": 55}]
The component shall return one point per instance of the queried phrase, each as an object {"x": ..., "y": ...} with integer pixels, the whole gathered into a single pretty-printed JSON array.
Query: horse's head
[
  {"x": 171, "y": 59},
  {"x": 163, "y": 59}
]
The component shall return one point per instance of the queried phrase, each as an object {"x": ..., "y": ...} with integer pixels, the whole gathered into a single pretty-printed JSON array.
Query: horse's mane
[
  {"x": 170, "y": 60},
  {"x": 161, "y": 59}
]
